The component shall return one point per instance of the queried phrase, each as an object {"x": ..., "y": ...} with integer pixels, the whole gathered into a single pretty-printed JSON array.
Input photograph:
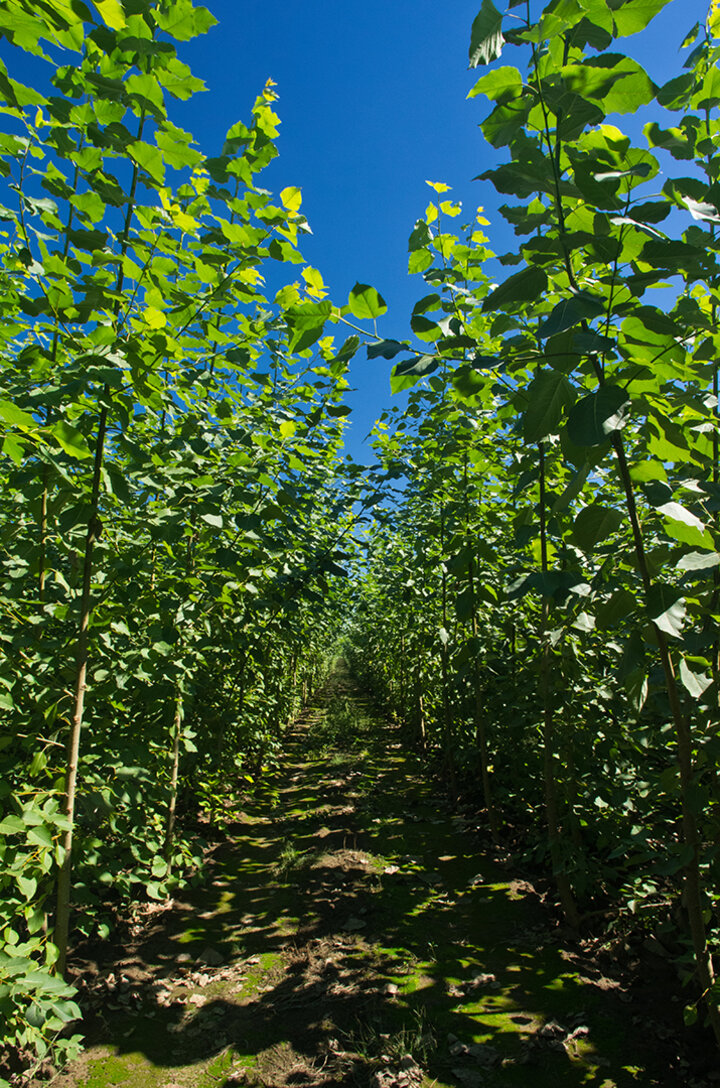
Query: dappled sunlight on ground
[{"x": 353, "y": 932}]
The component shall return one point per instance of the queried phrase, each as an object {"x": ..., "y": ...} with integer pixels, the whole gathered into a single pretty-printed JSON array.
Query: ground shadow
[{"x": 353, "y": 930}]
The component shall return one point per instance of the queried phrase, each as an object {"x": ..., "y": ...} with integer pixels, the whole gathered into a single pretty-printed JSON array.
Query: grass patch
[
  {"x": 292, "y": 860},
  {"x": 381, "y": 1047}
]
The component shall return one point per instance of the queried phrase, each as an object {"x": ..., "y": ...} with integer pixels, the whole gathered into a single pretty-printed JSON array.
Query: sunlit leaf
[
  {"x": 486, "y": 39},
  {"x": 366, "y": 303}
]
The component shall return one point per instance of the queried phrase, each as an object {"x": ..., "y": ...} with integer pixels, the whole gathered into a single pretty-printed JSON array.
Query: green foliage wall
[
  {"x": 548, "y": 578},
  {"x": 172, "y": 520},
  {"x": 539, "y": 603}
]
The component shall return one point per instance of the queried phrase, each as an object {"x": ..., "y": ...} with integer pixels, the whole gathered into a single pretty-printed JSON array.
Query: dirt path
[{"x": 354, "y": 933}]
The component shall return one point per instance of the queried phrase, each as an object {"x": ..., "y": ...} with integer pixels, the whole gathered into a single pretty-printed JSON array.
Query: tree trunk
[
  {"x": 62, "y": 914},
  {"x": 174, "y": 776},
  {"x": 562, "y": 880}
]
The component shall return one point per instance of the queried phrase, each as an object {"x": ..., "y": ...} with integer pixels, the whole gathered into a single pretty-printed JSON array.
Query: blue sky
[{"x": 373, "y": 102}]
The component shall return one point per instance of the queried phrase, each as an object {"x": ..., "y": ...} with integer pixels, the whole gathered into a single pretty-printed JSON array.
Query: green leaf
[
  {"x": 600, "y": 194},
  {"x": 40, "y": 836},
  {"x": 667, "y": 609},
  {"x": 145, "y": 86},
  {"x": 409, "y": 372},
  {"x": 618, "y": 83},
  {"x": 573, "y": 489},
  {"x": 419, "y": 261},
  {"x": 621, "y": 604},
  {"x": 637, "y": 686},
  {"x": 486, "y": 40},
  {"x": 215, "y": 520},
  {"x": 595, "y": 523},
  {"x": 674, "y": 140},
  {"x": 388, "y": 349},
  {"x": 6, "y": 701},
  {"x": 548, "y": 394},
  {"x": 698, "y": 561},
  {"x": 149, "y": 159},
  {"x": 595, "y": 417},
  {"x": 35, "y": 919},
  {"x": 420, "y": 236},
  {"x": 506, "y": 120},
  {"x": 677, "y": 92},
  {"x": 695, "y": 683},
  {"x": 524, "y": 286},
  {"x": 306, "y": 323},
  {"x": 632, "y": 16},
  {"x": 71, "y": 440},
  {"x": 581, "y": 306},
  {"x": 650, "y": 211},
  {"x": 499, "y": 85},
  {"x": 182, "y": 21},
  {"x": 365, "y": 303},
  {"x": 90, "y": 205},
  {"x": 111, "y": 13},
  {"x": 27, "y": 885},
  {"x": 672, "y": 255},
  {"x": 154, "y": 318},
  {"x": 591, "y": 343},
  {"x": 15, "y": 416}
]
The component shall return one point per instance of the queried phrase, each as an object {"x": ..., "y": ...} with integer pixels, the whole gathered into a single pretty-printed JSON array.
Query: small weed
[
  {"x": 292, "y": 860},
  {"x": 379, "y": 1047}
]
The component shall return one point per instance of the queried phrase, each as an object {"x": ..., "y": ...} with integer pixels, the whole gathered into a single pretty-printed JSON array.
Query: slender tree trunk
[
  {"x": 479, "y": 718},
  {"x": 715, "y": 656},
  {"x": 42, "y": 558},
  {"x": 174, "y": 776},
  {"x": 448, "y": 750},
  {"x": 403, "y": 680},
  {"x": 293, "y": 682},
  {"x": 481, "y": 740},
  {"x": 42, "y": 564},
  {"x": 62, "y": 914},
  {"x": 562, "y": 880},
  {"x": 420, "y": 712},
  {"x": 716, "y": 515},
  {"x": 571, "y": 787}
]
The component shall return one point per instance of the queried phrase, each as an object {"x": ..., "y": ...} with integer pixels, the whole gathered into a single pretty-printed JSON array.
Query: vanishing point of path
[{"x": 355, "y": 932}]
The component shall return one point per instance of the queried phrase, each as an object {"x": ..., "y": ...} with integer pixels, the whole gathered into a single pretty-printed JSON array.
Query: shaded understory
[{"x": 356, "y": 932}]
